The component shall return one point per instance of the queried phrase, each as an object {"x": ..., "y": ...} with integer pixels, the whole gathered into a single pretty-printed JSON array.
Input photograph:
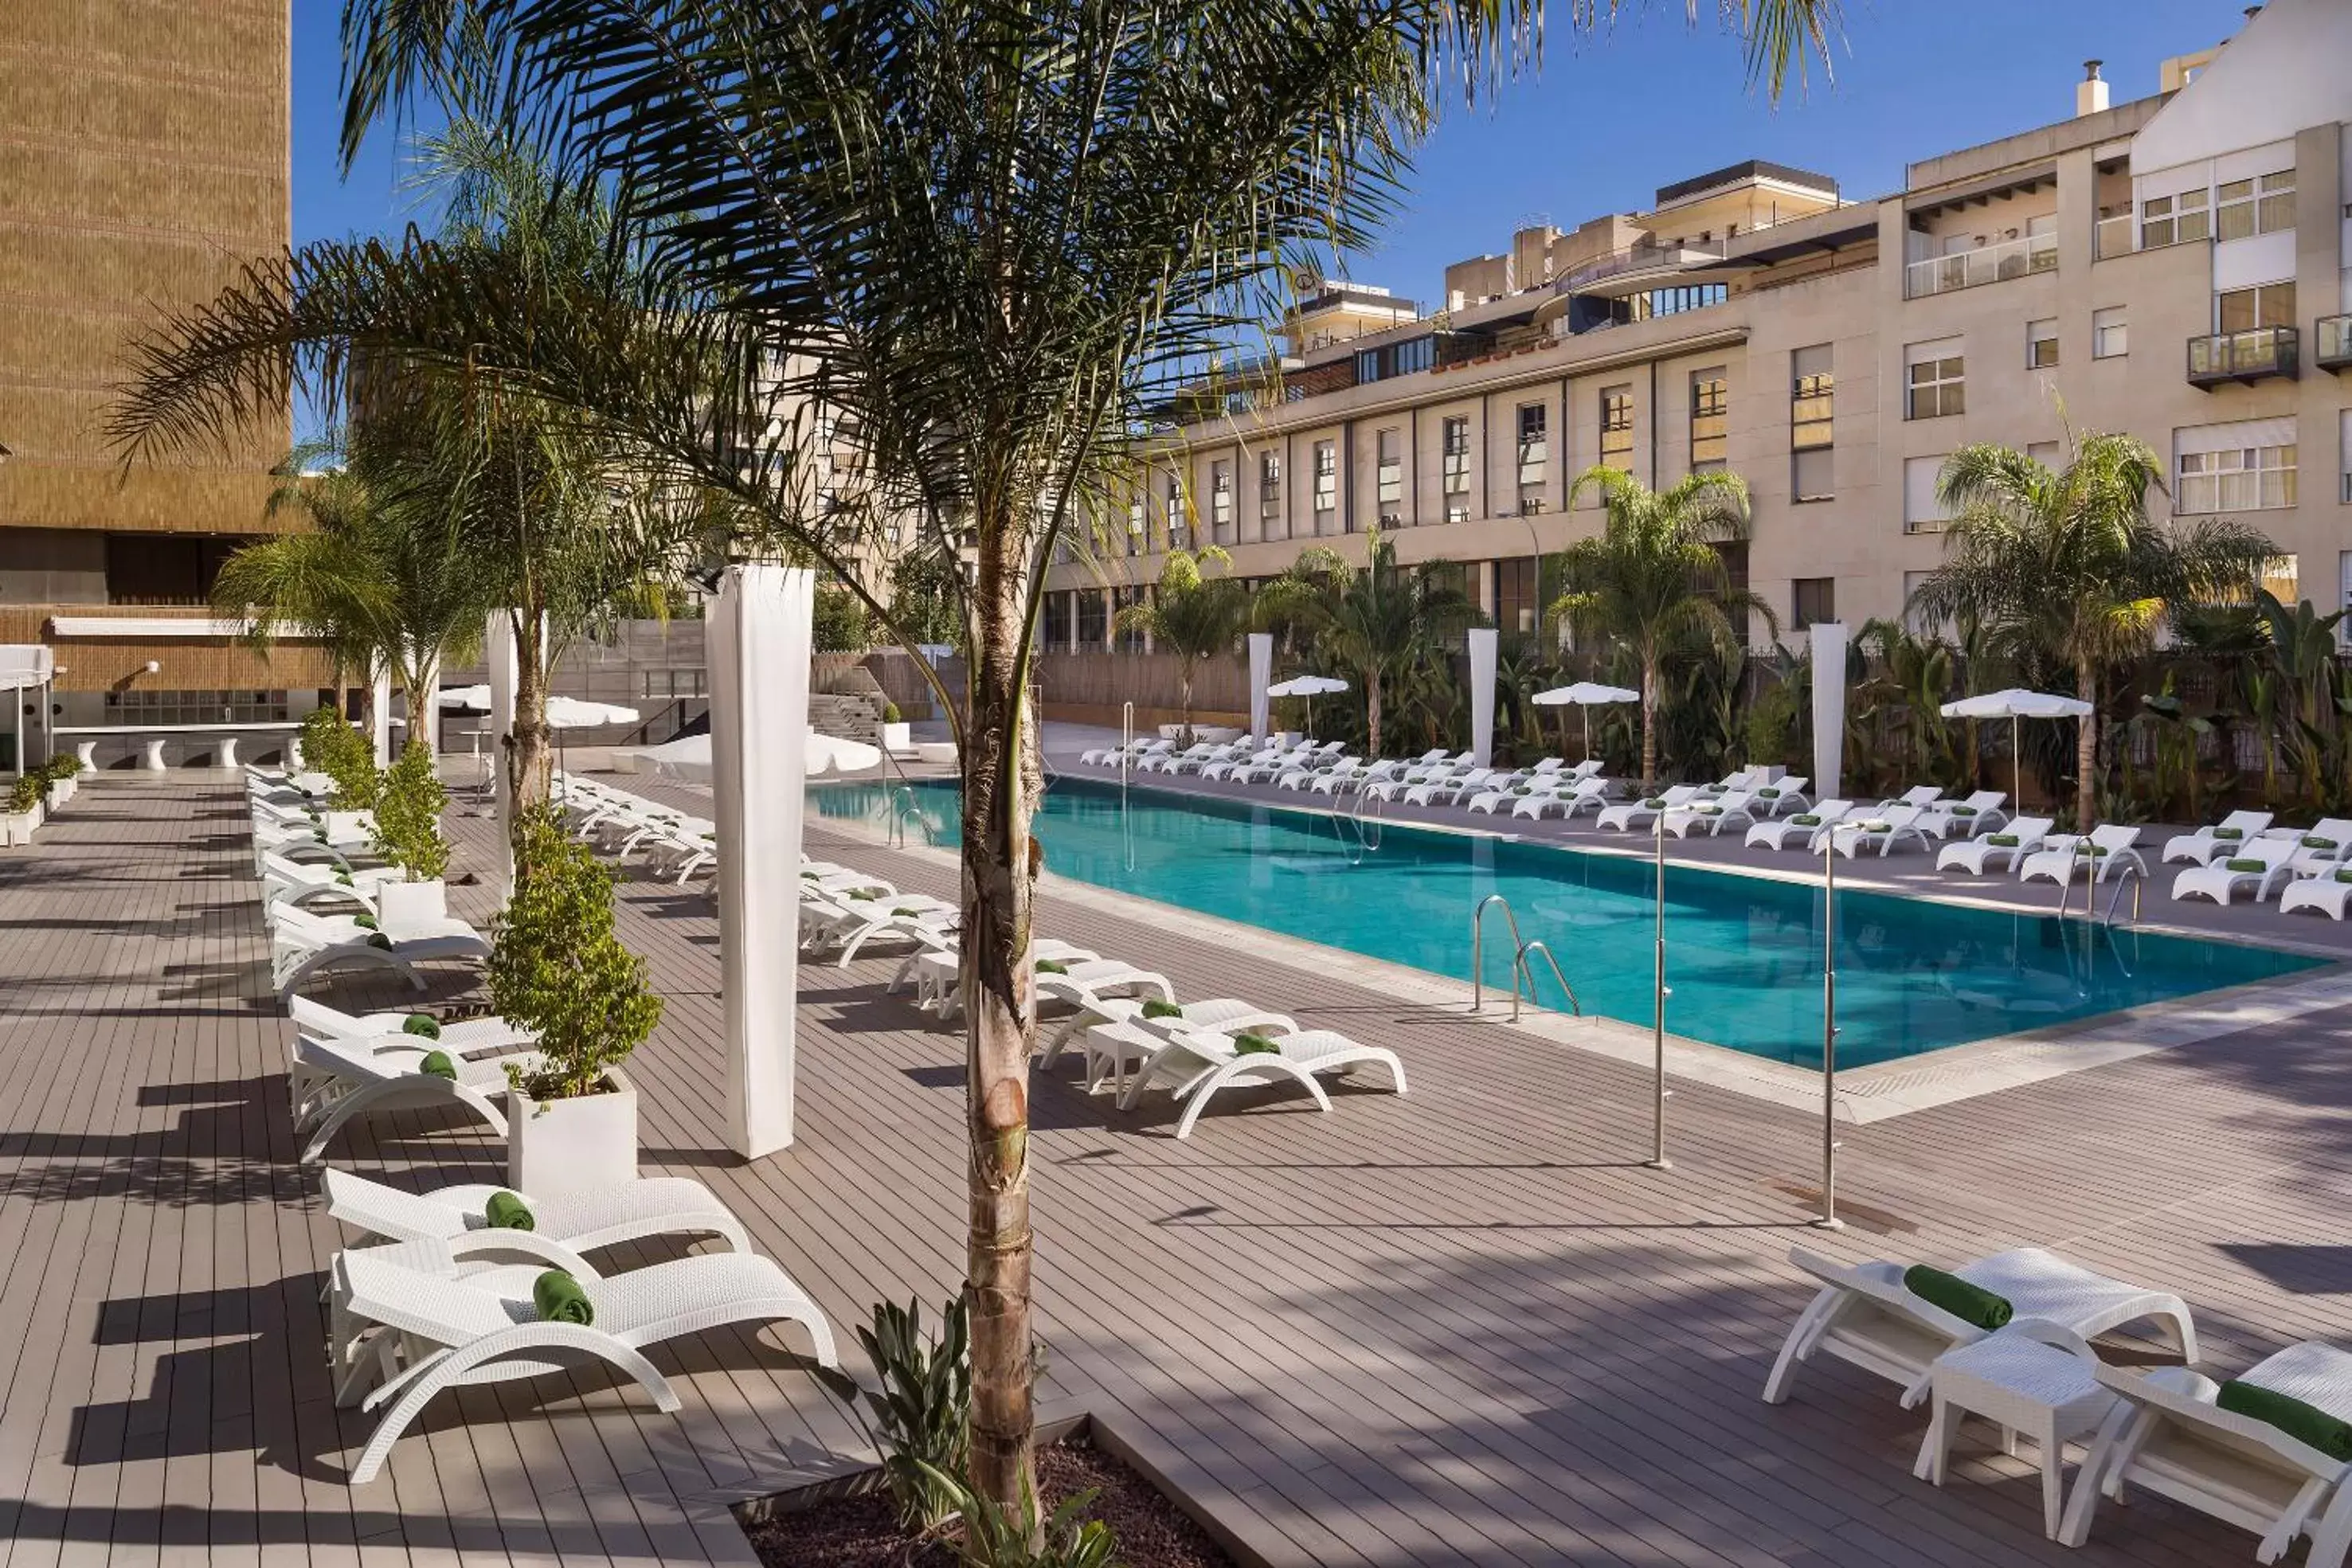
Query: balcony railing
[
  {"x": 2333, "y": 347},
  {"x": 2113, "y": 236},
  {"x": 2253, "y": 355},
  {"x": 1986, "y": 264}
]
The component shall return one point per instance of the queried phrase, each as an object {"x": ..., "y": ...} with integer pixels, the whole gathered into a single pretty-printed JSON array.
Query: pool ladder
[
  {"x": 1523, "y": 976},
  {"x": 2132, "y": 872}
]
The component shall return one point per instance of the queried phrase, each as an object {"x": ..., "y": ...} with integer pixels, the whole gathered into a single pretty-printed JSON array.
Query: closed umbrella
[
  {"x": 1311, "y": 688},
  {"x": 687, "y": 759},
  {"x": 2013, "y": 704},
  {"x": 1586, "y": 694}
]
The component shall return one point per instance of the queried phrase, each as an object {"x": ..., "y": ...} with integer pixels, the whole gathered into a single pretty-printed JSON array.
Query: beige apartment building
[
  {"x": 143, "y": 159},
  {"x": 2174, "y": 266}
]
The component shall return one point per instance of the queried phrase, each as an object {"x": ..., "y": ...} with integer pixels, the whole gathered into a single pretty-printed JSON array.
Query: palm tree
[
  {"x": 2066, "y": 565},
  {"x": 1655, "y": 576},
  {"x": 1376, "y": 622},
  {"x": 992, "y": 238},
  {"x": 1191, "y": 616}
]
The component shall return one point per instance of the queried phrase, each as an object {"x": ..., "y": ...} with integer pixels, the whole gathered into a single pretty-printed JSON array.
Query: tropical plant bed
[{"x": 850, "y": 1524}]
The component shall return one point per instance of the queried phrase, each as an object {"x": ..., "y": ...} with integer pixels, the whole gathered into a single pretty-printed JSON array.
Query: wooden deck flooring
[{"x": 1464, "y": 1326}]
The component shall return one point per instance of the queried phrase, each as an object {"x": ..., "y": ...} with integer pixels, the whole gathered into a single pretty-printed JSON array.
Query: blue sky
[{"x": 1607, "y": 121}]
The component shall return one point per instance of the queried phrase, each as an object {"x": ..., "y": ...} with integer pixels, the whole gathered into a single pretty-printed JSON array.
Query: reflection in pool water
[{"x": 1744, "y": 954}]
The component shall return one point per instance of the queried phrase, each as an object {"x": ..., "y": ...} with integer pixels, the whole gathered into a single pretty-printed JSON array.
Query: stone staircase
[{"x": 846, "y": 717}]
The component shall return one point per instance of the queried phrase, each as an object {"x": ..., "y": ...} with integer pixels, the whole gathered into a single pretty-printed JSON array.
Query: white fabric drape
[
  {"x": 1261, "y": 655},
  {"x": 759, "y": 656},
  {"x": 498, "y": 654},
  {"x": 380, "y": 715},
  {"x": 1829, "y": 706},
  {"x": 1483, "y": 640}
]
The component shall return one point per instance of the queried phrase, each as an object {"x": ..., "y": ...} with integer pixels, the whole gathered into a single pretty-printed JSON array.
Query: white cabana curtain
[
  {"x": 1482, "y": 640},
  {"x": 1828, "y": 707},
  {"x": 498, "y": 654},
  {"x": 380, "y": 713},
  {"x": 1260, "y": 656},
  {"x": 759, "y": 635}
]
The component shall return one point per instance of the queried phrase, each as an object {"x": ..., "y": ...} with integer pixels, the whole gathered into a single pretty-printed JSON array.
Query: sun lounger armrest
[
  {"x": 495, "y": 1245},
  {"x": 2058, "y": 1336}
]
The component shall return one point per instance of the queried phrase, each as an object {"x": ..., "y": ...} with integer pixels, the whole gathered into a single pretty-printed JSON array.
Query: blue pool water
[{"x": 1744, "y": 954}]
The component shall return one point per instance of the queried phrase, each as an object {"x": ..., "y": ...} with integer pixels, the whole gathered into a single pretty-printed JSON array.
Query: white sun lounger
[
  {"x": 434, "y": 1331},
  {"x": 1885, "y": 828},
  {"x": 1981, "y": 811},
  {"x": 1995, "y": 851},
  {"x": 2167, "y": 1436},
  {"x": 303, "y": 944},
  {"x": 1774, "y": 832},
  {"x": 2222, "y": 879},
  {"x": 1089, "y": 983},
  {"x": 462, "y": 1037},
  {"x": 1731, "y": 806},
  {"x": 1113, "y": 1037},
  {"x": 2323, "y": 846},
  {"x": 2203, "y": 846},
  {"x": 1863, "y": 1314},
  {"x": 2108, "y": 849},
  {"x": 1787, "y": 794},
  {"x": 1202, "y": 1061},
  {"x": 2329, "y": 893},
  {"x": 341, "y": 1081},
  {"x": 564, "y": 1225},
  {"x": 1622, "y": 817},
  {"x": 848, "y": 923}
]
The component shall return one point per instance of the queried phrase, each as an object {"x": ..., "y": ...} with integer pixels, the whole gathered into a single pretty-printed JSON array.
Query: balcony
[
  {"x": 2113, "y": 237},
  {"x": 1986, "y": 264},
  {"x": 2253, "y": 355},
  {"x": 2334, "y": 344}
]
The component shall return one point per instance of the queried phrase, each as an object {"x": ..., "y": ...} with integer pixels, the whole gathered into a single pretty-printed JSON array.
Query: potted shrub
[
  {"x": 24, "y": 812},
  {"x": 898, "y": 735},
  {"x": 558, "y": 969},
  {"x": 406, "y": 833},
  {"x": 59, "y": 774}
]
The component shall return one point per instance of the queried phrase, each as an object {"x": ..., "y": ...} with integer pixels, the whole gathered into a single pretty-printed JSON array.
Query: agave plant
[{"x": 919, "y": 1416}]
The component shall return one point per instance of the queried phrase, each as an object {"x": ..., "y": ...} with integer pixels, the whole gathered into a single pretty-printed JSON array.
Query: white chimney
[{"x": 2090, "y": 92}]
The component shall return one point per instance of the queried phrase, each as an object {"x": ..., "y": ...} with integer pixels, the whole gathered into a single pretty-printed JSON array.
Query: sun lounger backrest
[
  {"x": 445, "y": 1310},
  {"x": 2115, "y": 836},
  {"x": 2185, "y": 1397}
]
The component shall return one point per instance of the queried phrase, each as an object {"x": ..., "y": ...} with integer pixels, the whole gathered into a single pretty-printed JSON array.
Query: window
[
  {"x": 1126, "y": 639},
  {"x": 2045, "y": 453},
  {"x": 1174, "y": 512},
  {"x": 2041, "y": 345},
  {"x": 1813, "y": 599},
  {"x": 1709, "y": 405},
  {"x": 1937, "y": 381},
  {"x": 2237, "y": 479},
  {"x": 1535, "y": 452},
  {"x": 2263, "y": 206},
  {"x": 1915, "y": 622},
  {"x": 1059, "y": 621},
  {"x": 1138, "y": 527},
  {"x": 1269, "y": 486},
  {"x": 2175, "y": 220},
  {"x": 1327, "y": 482},
  {"x": 2281, "y": 579},
  {"x": 1391, "y": 476},
  {"x": 1516, "y": 608},
  {"x": 1617, "y": 429},
  {"x": 1221, "y": 501},
  {"x": 1812, "y": 406},
  {"x": 2108, "y": 340},
  {"x": 1093, "y": 620},
  {"x": 1686, "y": 297},
  {"x": 1811, "y": 475},
  {"x": 1457, "y": 454},
  {"x": 1395, "y": 360},
  {"x": 2264, "y": 305},
  {"x": 1922, "y": 513}
]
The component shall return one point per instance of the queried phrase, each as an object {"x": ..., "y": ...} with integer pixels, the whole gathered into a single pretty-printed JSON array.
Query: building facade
[
  {"x": 145, "y": 145},
  {"x": 2178, "y": 266}
]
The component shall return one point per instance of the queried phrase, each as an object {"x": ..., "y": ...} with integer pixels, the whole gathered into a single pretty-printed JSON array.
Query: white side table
[{"x": 2021, "y": 1384}]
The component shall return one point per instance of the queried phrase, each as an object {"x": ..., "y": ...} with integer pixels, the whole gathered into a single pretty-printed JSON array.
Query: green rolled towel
[
  {"x": 424, "y": 1024},
  {"x": 1708, "y": 809},
  {"x": 1654, "y": 802},
  {"x": 2246, "y": 862},
  {"x": 1157, "y": 1008},
  {"x": 378, "y": 939},
  {"x": 1768, "y": 794},
  {"x": 1521, "y": 790},
  {"x": 2304, "y": 1423},
  {"x": 437, "y": 1063},
  {"x": 319, "y": 834},
  {"x": 559, "y": 1299},
  {"x": 2345, "y": 875},
  {"x": 1052, "y": 966},
  {"x": 365, "y": 922},
  {"x": 2090, "y": 849},
  {"x": 905, "y": 910},
  {"x": 865, "y": 895},
  {"x": 1972, "y": 1304},
  {"x": 1254, "y": 1045},
  {"x": 1806, "y": 819},
  {"x": 2229, "y": 832},
  {"x": 1876, "y": 825},
  {"x": 2006, "y": 841},
  {"x": 2314, "y": 842},
  {"x": 1964, "y": 811},
  {"x": 505, "y": 1211},
  {"x": 344, "y": 877}
]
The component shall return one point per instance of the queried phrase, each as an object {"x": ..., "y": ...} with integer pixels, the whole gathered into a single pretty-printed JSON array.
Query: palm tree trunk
[
  {"x": 2086, "y": 750},
  {"x": 1649, "y": 721},
  {"x": 1187, "y": 701},
  {"x": 1372, "y": 714},
  {"x": 1000, "y": 1013},
  {"x": 528, "y": 762}
]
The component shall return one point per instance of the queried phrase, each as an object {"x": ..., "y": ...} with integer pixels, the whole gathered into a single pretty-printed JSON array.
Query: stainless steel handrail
[
  {"x": 1477, "y": 934},
  {"x": 1522, "y": 969},
  {"x": 2135, "y": 875}
]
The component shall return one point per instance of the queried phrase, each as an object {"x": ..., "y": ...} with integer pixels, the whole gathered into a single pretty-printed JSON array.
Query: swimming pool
[{"x": 1743, "y": 955}]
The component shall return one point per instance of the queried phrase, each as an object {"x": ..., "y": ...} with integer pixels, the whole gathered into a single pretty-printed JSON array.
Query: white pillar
[
  {"x": 499, "y": 655},
  {"x": 1261, "y": 655},
  {"x": 759, "y": 657},
  {"x": 380, "y": 715},
  {"x": 1829, "y": 706},
  {"x": 1481, "y": 694}
]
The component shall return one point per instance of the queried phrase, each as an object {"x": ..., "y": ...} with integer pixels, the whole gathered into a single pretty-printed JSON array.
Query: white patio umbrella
[
  {"x": 1311, "y": 688},
  {"x": 688, "y": 759},
  {"x": 1586, "y": 694},
  {"x": 2013, "y": 704},
  {"x": 562, "y": 712}
]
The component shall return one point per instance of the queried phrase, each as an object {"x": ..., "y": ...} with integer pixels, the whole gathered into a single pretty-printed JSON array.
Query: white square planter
[
  {"x": 412, "y": 908},
  {"x": 16, "y": 827},
  {"x": 898, "y": 739},
  {"x": 344, "y": 826},
  {"x": 61, "y": 791},
  {"x": 570, "y": 1145}
]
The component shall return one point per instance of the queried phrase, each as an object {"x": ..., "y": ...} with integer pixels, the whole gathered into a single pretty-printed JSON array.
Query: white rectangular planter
[
  {"x": 412, "y": 908},
  {"x": 898, "y": 739},
  {"x": 569, "y": 1146},
  {"x": 61, "y": 791},
  {"x": 16, "y": 827}
]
